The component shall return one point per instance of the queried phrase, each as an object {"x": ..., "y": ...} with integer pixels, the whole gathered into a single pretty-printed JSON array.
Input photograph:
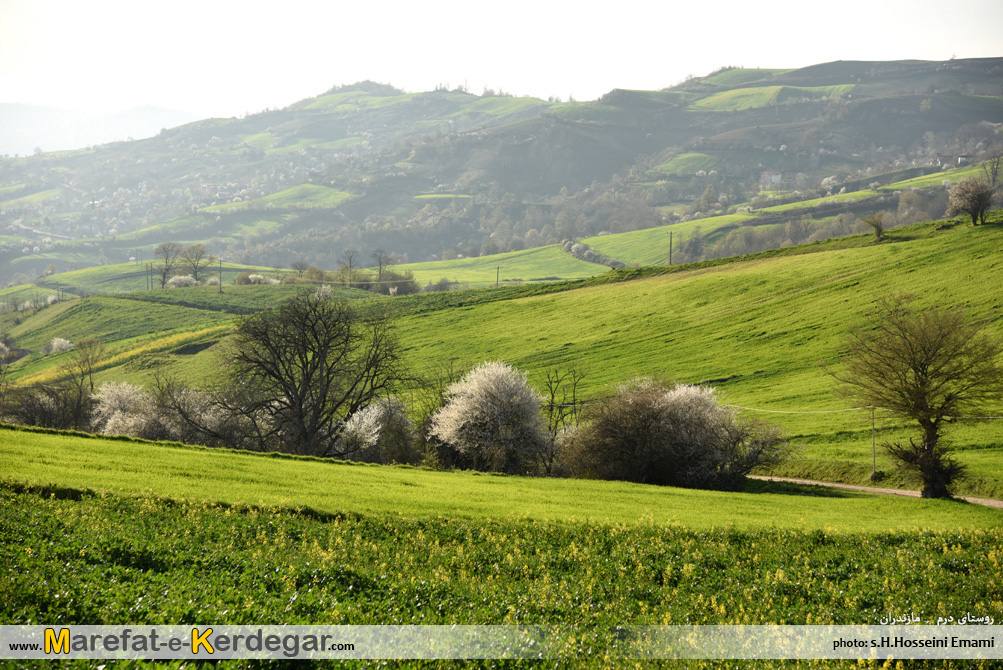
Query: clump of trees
[
  {"x": 649, "y": 432},
  {"x": 314, "y": 376},
  {"x": 303, "y": 368},
  {"x": 182, "y": 267},
  {"x": 928, "y": 365}
]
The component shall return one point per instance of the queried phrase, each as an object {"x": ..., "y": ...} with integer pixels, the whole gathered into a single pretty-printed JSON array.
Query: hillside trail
[{"x": 988, "y": 502}]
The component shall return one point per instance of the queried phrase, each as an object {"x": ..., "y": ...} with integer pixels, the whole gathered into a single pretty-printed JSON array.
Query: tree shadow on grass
[{"x": 787, "y": 488}]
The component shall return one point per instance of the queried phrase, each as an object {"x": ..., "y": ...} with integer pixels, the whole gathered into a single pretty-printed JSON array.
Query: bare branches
[
  {"x": 928, "y": 365},
  {"x": 168, "y": 253},
  {"x": 309, "y": 365}
]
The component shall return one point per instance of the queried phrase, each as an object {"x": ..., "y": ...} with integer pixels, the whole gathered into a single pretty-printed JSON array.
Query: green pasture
[
  {"x": 352, "y": 99},
  {"x": 129, "y": 277},
  {"x": 741, "y": 76},
  {"x": 763, "y": 96},
  {"x": 502, "y": 106},
  {"x": 686, "y": 164},
  {"x": 651, "y": 246},
  {"x": 839, "y": 198},
  {"x": 109, "y": 319},
  {"x": 28, "y": 200},
  {"x": 756, "y": 329},
  {"x": 178, "y": 472},
  {"x": 304, "y": 196},
  {"x": 936, "y": 180},
  {"x": 166, "y": 230},
  {"x": 243, "y": 299},
  {"x": 549, "y": 263},
  {"x": 311, "y": 143},
  {"x": 23, "y": 291}
]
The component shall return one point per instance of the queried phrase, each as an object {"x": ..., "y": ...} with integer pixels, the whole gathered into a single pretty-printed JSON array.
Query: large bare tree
[
  {"x": 308, "y": 365},
  {"x": 928, "y": 365}
]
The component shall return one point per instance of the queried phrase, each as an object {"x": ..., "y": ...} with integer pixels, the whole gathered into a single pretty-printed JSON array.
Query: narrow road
[{"x": 988, "y": 502}]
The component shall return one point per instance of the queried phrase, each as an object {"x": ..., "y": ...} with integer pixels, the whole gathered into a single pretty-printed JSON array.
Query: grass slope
[
  {"x": 532, "y": 265},
  {"x": 304, "y": 196},
  {"x": 179, "y": 472},
  {"x": 748, "y": 98},
  {"x": 755, "y": 328},
  {"x": 651, "y": 246},
  {"x": 686, "y": 164}
]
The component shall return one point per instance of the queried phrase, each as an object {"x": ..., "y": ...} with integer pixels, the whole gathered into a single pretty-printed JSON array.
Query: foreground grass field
[
  {"x": 180, "y": 535},
  {"x": 43, "y": 459}
]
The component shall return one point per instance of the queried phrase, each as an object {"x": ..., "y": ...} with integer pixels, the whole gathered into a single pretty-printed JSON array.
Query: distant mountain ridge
[{"x": 445, "y": 173}]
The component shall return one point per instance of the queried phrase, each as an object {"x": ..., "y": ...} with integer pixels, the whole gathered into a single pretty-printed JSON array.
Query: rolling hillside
[{"x": 755, "y": 327}]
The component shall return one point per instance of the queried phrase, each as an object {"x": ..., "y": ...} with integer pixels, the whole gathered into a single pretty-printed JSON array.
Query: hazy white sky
[{"x": 228, "y": 57}]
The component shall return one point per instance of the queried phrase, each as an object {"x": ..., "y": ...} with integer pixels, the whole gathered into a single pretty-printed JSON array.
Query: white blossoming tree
[{"x": 492, "y": 416}]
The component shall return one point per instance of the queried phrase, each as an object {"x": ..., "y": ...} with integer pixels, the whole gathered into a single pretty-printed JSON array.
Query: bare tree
[
  {"x": 382, "y": 259},
  {"x": 308, "y": 365},
  {"x": 300, "y": 267},
  {"x": 928, "y": 365},
  {"x": 349, "y": 256},
  {"x": 876, "y": 222},
  {"x": 196, "y": 260},
  {"x": 87, "y": 353},
  {"x": 563, "y": 406},
  {"x": 168, "y": 253}
]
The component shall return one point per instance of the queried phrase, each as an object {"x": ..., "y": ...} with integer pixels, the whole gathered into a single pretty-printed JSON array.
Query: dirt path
[{"x": 988, "y": 502}]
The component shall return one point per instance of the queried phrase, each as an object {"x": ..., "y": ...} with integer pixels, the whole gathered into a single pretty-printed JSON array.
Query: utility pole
[
  {"x": 874, "y": 452},
  {"x": 221, "y": 276},
  {"x": 497, "y": 275},
  {"x": 670, "y": 247}
]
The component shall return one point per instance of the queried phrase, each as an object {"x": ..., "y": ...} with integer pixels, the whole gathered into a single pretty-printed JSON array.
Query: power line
[
  {"x": 780, "y": 411},
  {"x": 851, "y": 409}
]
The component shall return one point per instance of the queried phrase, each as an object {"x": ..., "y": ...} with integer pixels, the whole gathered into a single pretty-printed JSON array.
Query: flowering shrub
[
  {"x": 679, "y": 436},
  {"x": 123, "y": 409},
  {"x": 182, "y": 281},
  {"x": 492, "y": 416},
  {"x": 380, "y": 433},
  {"x": 57, "y": 345}
]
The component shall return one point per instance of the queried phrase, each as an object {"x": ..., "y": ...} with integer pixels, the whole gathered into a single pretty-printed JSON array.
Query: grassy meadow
[
  {"x": 180, "y": 472},
  {"x": 105, "y": 530},
  {"x": 185, "y": 535},
  {"x": 756, "y": 328},
  {"x": 540, "y": 264}
]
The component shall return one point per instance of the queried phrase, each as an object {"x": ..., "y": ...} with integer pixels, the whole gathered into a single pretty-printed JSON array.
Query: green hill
[
  {"x": 755, "y": 327},
  {"x": 348, "y": 169}
]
